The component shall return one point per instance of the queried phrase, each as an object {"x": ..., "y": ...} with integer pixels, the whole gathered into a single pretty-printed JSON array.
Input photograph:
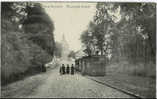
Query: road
[{"x": 52, "y": 84}]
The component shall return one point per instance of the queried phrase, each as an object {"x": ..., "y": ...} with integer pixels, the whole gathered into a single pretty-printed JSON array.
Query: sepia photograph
[{"x": 78, "y": 49}]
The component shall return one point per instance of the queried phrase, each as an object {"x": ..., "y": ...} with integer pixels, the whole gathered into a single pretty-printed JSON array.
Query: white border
[{"x": 148, "y": 1}]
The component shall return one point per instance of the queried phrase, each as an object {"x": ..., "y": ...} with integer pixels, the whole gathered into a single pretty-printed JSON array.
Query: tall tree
[
  {"x": 40, "y": 27},
  {"x": 19, "y": 52},
  {"x": 128, "y": 29}
]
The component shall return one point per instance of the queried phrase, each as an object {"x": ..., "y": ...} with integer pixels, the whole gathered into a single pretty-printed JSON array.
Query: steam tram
[{"x": 91, "y": 65}]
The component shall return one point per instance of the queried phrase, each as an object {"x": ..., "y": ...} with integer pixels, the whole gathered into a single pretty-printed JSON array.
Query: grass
[{"x": 139, "y": 69}]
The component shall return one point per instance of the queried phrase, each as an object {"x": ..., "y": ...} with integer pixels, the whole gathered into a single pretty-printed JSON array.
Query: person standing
[
  {"x": 72, "y": 69},
  {"x": 67, "y": 69},
  {"x": 63, "y": 69},
  {"x": 60, "y": 70}
]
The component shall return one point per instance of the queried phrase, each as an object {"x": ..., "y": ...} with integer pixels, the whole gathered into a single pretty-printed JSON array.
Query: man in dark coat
[
  {"x": 63, "y": 69},
  {"x": 72, "y": 69},
  {"x": 60, "y": 70},
  {"x": 67, "y": 69}
]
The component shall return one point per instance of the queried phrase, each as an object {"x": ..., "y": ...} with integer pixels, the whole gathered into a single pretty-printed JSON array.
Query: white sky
[{"x": 70, "y": 21}]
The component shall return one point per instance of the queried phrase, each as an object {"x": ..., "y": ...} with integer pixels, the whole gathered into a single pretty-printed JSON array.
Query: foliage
[
  {"x": 130, "y": 27},
  {"x": 87, "y": 40},
  {"x": 124, "y": 30},
  {"x": 40, "y": 28},
  {"x": 141, "y": 41},
  {"x": 23, "y": 50}
]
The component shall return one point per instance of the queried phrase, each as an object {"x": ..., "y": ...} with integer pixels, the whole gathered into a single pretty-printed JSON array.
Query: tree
[
  {"x": 141, "y": 22},
  {"x": 39, "y": 27},
  {"x": 20, "y": 53},
  {"x": 130, "y": 28},
  {"x": 99, "y": 29}
]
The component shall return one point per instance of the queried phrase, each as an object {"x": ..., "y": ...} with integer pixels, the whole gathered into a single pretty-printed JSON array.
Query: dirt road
[{"x": 52, "y": 84}]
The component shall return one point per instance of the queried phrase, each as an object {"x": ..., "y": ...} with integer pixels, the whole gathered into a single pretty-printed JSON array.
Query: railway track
[{"x": 119, "y": 89}]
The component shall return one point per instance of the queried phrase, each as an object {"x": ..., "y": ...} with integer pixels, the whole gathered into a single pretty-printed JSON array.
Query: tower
[{"x": 65, "y": 48}]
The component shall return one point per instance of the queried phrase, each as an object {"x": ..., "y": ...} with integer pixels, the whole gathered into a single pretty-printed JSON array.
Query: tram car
[{"x": 92, "y": 65}]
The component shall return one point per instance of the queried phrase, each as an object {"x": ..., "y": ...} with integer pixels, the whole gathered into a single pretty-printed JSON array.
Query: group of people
[{"x": 67, "y": 69}]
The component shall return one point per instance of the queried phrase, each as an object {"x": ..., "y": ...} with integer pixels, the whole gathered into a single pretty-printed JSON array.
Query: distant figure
[
  {"x": 72, "y": 69},
  {"x": 67, "y": 69},
  {"x": 62, "y": 69}
]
